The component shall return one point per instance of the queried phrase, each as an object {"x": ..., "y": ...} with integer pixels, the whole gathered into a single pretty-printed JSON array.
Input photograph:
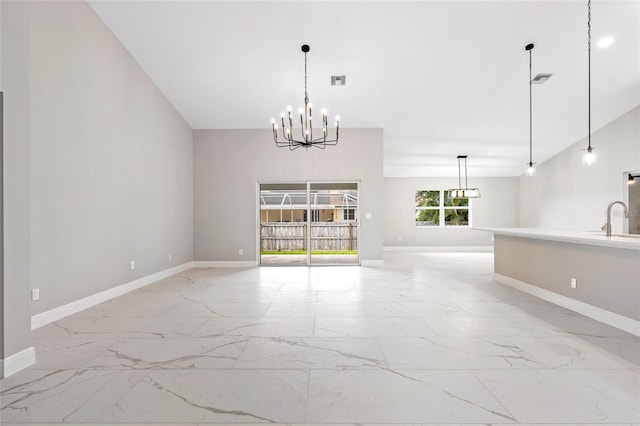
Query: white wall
[
  {"x": 16, "y": 307},
  {"x": 108, "y": 175},
  {"x": 566, "y": 194},
  {"x": 1, "y": 208},
  {"x": 496, "y": 208},
  {"x": 111, "y": 162},
  {"x": 228, "y": 164}
]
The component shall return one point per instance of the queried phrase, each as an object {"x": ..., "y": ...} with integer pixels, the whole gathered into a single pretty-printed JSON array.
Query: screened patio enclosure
[{"x": 309, "y": 223}]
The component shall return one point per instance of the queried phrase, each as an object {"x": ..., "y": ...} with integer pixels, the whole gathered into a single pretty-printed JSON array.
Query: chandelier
[
  {"x": 306, "y": 138},
  {"x": 465, "y": 192}
]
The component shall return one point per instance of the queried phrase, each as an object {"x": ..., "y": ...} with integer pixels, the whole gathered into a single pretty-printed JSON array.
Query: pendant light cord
[
  {"x": 530, "y": 112},
  {"x": 306, "y": 95},
  {"x": 306, "y": 124},
  {"x": 466, "y": 182},
  {"x": 589, "y": 68}
]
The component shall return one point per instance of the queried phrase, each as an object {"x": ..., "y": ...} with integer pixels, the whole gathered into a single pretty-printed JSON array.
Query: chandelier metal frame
[
  {"x": 465, "y": 192},
  {"x": 287, "y": 139}
]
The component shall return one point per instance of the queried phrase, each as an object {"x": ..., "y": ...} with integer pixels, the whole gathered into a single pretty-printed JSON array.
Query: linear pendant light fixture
[
  {"x": 531, "y": 166},
  {"x": 306, "y": 139},
  {"x": 465, "y": 192},
  {"x": 589, "y": 156}
]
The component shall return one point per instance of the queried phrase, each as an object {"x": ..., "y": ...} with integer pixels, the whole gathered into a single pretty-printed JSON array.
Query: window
[
  {"x": 349, "y": 214},
  {"x": 427, "y": 208},
  {"x": 315, "y": 216},
  {"x": 434, "y": 208}
]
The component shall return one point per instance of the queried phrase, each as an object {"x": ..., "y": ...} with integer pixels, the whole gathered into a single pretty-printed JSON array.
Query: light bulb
[
  {"x": 531, "y": 169},
  {"x": 456, "y": 193},
  {"x": 324, "y": 111},
  {"x": 289, "y": 109},
  {"x": 300, "y": 111},
  {"x": 589, "y": 156},
  {"x": 273, "y": 121},
  {"x": 282, "y": 114}
]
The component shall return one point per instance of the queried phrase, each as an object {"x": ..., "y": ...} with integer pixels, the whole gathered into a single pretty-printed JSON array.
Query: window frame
[
  {"x": 442, "y": 208},
  {"x": 315, "y": 215},
  {"x": 348, "y": 213}
]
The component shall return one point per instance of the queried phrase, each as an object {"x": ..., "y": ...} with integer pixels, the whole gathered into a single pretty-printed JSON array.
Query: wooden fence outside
[{"x": 286, "y": 236}]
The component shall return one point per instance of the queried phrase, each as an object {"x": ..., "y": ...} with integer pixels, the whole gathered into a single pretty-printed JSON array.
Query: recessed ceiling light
[{"x": 605, "y": 42}]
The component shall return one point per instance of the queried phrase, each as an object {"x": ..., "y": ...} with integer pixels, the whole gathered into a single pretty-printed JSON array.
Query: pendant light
[
  {"x": 531, "y": 166},
  {"x": 465, "y": 192},
  {"x": 589, "y": 156}
]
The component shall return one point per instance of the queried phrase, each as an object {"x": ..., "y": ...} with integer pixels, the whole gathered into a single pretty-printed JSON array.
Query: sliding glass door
[
  {"x": 333, "y": 230},
  {"x": 311, "y": 223}
]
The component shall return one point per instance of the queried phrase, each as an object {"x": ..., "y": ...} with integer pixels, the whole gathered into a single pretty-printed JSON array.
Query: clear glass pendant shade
[
  {"x": 464, "y": 193},
  {"x": 589, "y": 156},
  {"x": 531, "y": 169}
]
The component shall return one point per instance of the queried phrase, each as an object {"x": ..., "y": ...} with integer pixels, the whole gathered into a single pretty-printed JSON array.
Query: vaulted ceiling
[{"x": 441, "y": 78}]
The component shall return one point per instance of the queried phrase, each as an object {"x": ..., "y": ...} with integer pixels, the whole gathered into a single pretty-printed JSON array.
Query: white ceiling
[{"x": 441, "y": 78}]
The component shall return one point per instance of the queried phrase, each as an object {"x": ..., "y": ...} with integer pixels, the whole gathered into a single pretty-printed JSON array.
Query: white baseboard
[
  {"x": 55, "y": 314},
  {"x": 450, "y": 249},
  {"x": 16, "y": 362},
  {"x": 372, "y": 262},
  {"x": 253, "y": 264},
  {"x": 224, "y": 264},
  {"x": 611, "y": 318}
]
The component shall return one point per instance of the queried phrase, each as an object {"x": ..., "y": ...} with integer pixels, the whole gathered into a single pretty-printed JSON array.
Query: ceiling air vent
[
  {"x": 338, "y": 80},
  {"x": 541, "y": 78}
]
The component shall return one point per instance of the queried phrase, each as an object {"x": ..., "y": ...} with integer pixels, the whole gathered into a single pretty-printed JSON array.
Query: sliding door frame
[{"x": 309, "y": 184}]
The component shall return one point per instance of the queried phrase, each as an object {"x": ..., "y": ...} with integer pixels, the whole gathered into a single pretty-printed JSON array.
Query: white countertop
[{"x": 596, "y": 238}]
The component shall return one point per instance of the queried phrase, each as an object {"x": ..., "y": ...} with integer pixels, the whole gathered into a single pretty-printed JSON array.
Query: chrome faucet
[{"x": 607, "y": 226}]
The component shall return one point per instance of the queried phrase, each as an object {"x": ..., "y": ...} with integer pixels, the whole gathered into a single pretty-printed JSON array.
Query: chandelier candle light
[
  {"x": 306, "y": 122},
  {"x": 465, "y": 192},
  {"x": 589, "y": 153}
]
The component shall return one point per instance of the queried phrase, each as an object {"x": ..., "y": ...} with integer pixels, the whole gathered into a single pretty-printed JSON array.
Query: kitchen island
[{"x": 584, "y": 271}]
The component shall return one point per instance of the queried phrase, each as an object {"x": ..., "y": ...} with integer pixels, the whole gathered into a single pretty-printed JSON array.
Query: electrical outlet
[
  {"x": 240, "y": 252},
  {"x": 133, "y": 264},
  {"x": 35, "y": 293},
  {"x": 574, "y": 283}
]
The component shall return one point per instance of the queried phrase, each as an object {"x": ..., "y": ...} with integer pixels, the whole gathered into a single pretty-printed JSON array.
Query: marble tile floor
[{"x": 429, "y": 338}]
